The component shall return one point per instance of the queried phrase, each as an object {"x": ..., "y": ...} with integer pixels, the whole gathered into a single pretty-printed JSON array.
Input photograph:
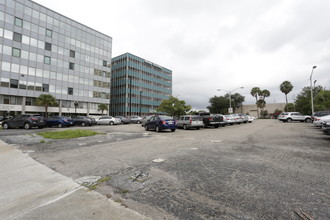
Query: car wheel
[
  {"x": 27, "y": 126},
  {"x": 172, "y": 130},
  {"x": 83, "y": 124},
  {"x": 308, "y": 120},
  {"x": 216, "y": 126},
  {"x": 157, "y": 129},
  {"x": 111, "y": 123},
  {"x": 60, "y": 125},
  {"x": 185, "y": 127},
  {"x": 289, "y": 120},
  {"x": 146, "y": 128},
  {"x": 5, "y": 126}
]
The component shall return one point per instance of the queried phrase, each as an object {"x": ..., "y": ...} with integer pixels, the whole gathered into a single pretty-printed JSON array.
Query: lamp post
[
  {"x": 141, "y": 102},
  {"x": 75, "y": 107},
  {"x": 230, "y": 110},
  {"x": 310, "y": 79}
]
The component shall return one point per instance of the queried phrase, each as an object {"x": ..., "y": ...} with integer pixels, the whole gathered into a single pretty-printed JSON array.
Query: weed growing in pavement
[
  {"x": 68, "y": 134},
  {"x": 104, "y": 179},
  {"x": 42, "y": 141},
  {"x": 90, "y": 187}
]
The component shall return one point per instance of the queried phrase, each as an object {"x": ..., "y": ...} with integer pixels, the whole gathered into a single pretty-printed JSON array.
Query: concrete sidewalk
[{"x": 30, "y": 190}]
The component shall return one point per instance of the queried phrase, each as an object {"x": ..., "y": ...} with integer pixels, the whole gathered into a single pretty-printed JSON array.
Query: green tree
[
  {"x": 255, "y": 92},
  {"x": 322, "y": 100},
  {"x": 103, "y": 107},
  {"x": 46, "y": 100},
  {"x": 236, "y": 100},
  {"x": 174, "y": 107},
  {"x": 219, "y": 104},
  {"x": 289, "y": 107},
  {"x": 303, "y": 101},
  {"x": 286, "y": 87}
]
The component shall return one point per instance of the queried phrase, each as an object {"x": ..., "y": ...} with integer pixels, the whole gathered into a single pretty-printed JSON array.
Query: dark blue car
[
  {"x": 59, "y": 121},
  {"x": 160, "y": 122}
]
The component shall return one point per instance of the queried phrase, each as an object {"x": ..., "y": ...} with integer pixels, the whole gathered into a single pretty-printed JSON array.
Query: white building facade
[{"x": 44, "y": 52}]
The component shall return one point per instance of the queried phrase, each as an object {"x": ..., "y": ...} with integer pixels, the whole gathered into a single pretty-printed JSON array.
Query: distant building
[
  {"x": 252, "y": 109},
  {"x": 42, "y": 51},
  {"x": 138, "y": 86}
]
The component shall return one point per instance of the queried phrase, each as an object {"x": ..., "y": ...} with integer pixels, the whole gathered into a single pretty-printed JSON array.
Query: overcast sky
[{"x": 217, "y": 44}]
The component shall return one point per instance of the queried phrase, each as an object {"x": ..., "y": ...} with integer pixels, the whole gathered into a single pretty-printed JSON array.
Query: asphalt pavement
[{"x": 30, "y": 190}]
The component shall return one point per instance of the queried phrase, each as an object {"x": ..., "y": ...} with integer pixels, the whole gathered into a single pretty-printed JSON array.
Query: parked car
[
  {"x": 145, "y": 119},
  {"x": 4, "y": 118},
  {"x": 326, "y": 127},
  {"x": 318, "y": 121},
  {"x": 123, "y": 119},
  {"x": 108, "y": 120},
  {"x": 59, "y": 121},
  {"x": 244, "y": 118},
  {"x": 294, "y": 116},
  {"x": 251, "y": 118},
  {"x": 230, "y": 119},
  {"x": 320, "y": 114},
  {"x": 26, "y": 121},
  {"x": 83, "y": 120},
  {"x": 211, "y": 120},
  {"x": 190, "y": 121},
  {"x": 160, "y": 122},
  {"x": 135, "y": 119},
  {"x": 238, "y": 119}
]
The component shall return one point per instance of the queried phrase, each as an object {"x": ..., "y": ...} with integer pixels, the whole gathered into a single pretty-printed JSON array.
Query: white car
[
  {"x": 319, "y": 120},
  {"x": 108, "y": 120},
  {"x": 251, "y": 118}
]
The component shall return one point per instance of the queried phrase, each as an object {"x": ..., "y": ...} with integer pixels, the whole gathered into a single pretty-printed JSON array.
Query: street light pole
[
  {"x": 229, "y": 93},
  {"x": 310, "y": 79}
]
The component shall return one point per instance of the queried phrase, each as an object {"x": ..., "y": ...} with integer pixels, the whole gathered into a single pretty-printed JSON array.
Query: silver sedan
[{"x": 108, "y": 120}]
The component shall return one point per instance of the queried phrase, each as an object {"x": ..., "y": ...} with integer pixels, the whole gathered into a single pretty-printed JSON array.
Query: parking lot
[{"x": 263, "y": 170}]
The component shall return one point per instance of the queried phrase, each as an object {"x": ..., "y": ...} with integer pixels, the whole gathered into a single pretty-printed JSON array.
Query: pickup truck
[{"x": 211, "y": 120}]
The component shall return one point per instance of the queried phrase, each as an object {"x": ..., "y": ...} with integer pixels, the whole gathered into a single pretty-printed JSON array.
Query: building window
[
  {"x": 4, "y": 82},
  {"x": 16, "y": 52},
  {"x": 17, "y": 37},
  {"x": 14, "y": 83},
  {"x": 70, "y": 91},
  {"x": 18, "y": 22},
  {"x": 48, "y": 46},
  {"x": 72, "y": 53},
  {"x": 49, "y": 33},
  {"x": 45, "y": 87},
  {"x": 71, "y": 66},
  {"x": 104, "y": 63},
  {"x": 46, "y": 60}
]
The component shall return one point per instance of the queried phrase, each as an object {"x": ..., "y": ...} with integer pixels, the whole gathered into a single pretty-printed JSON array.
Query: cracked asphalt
[{"x": 262, "y": 170}]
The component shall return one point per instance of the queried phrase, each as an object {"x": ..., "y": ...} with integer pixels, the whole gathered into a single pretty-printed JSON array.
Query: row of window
[
  {"x": 50, "y": 47},
  {"x": 83, "y": 36},
  {"x": 30, "y": 101},
  {"x": 43, "y": 87}
]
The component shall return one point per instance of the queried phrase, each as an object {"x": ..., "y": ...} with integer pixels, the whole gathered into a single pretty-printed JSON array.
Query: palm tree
[
  {"x": 255, "y": 92},
  {"x": 264, "y": 93},
  {"x": 46, "y": 100},
  {"x": 286, "y": 87},
  {"x": 102, "y": 107}
]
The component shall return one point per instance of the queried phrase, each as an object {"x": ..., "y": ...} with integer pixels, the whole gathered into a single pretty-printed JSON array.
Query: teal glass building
[{"x": 138, "y": 86}]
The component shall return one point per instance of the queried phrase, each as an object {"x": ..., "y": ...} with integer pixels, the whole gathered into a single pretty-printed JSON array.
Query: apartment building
[
  {"x": 42, "y": 51},
  {"x": 138, "y": 86}
]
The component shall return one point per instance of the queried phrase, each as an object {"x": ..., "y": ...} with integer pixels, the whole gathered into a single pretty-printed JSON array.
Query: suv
[
  {"x": 320, "y": 114},
  {"x": 211, "y": 120},
  {"x": 83, "y": 120},
  {"x": 26, "y": 121},
  {"x": 294, "y": 116},
  {"x": 190, "y": 121}
]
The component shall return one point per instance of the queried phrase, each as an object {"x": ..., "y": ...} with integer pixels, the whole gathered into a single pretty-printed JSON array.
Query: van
[{"x": 190, "y": 121}]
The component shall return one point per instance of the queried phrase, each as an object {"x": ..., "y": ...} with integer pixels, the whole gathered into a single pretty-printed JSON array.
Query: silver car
[
  {"x": 294, "y": 116},
  {"x": 318, "y": 121},
  {"x": 108, "y": 120},
  {"x": 190, "y": 121}
]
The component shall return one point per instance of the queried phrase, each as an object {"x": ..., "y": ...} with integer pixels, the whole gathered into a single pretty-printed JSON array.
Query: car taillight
[
  {"x": 190, "y": 121},
  {"x": 65, "y": 120},
  {"x": 163, "y": 122},
  {"x": 210, "y": 119},
  {"x": 34, "y": 119}
]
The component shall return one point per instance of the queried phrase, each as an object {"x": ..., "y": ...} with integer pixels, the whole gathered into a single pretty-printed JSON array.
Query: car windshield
[
  {"x": 196, "y": 118},
  {"x": 164, "y": 117}
]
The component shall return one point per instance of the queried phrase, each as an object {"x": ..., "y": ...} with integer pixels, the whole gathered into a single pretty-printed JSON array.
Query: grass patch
[
  {"x": 90, "y": 187},
  {"x": 68, "y": 134},
  {"x": 104, "y": 179},
  {"x": 42, "y": 141}
]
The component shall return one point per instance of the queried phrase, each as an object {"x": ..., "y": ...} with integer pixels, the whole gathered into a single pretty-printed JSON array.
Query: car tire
[
  {"x": 27, "y": 126},
  {"x": 5, "y": 126},
  {"x": 216, "y": 126},
  {"x": 289, "y": 120},
  {"x": 60, "y": 125},
  {"x": 308, "y": 120},
  {"x": 172, "y": 130},
  {"x": 185, "y": 127},
  {"x": 157, "y": 129},
  {"x": 111, "y": 123},
  {"x": 83, "y": 124},
  {"x": 146, "y": 128}
]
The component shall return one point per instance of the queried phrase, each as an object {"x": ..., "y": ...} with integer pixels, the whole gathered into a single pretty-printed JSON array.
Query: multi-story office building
[
  {"x": 42, "y": 51},
  {"x": 138, "y": 86}
]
